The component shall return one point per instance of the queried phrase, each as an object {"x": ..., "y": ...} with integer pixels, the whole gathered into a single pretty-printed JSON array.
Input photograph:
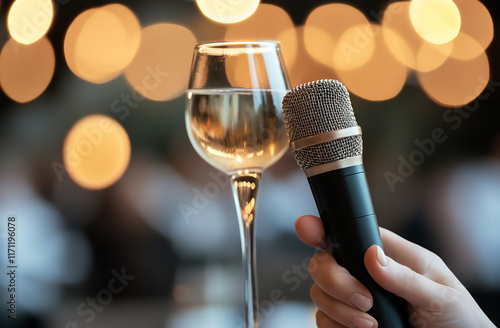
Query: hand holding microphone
[
  {"x": 436, "y": 298},
  {"x": 326, "y": 142}
]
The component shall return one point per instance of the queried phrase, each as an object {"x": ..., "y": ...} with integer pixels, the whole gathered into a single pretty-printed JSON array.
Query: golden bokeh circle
[
  {"x": 326, "y": 25},
  {"x": 228, "y": 11},
  {"x": 437, "y": 21},
  {"x": 381, "y": 78},
  {"x": 101, "y": 42},
  {"x": 476, "y": 21},
  {"x": 354, "y": 48},
  {"x": 476, "y": 30},
  {"x": 96, "y": 151},
  {"x": 406, "y": 44},
  {"x": 160, "y": 69},
  {"x": 26, "y": 70},
  {"x": 29, "y": 20},
  {"x": 456, "y": 82},
  {"x": 465, "y": 47}
]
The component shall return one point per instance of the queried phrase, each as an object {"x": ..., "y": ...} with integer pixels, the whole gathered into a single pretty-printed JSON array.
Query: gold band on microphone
[
  {"x": 336, "y": 165},
  {"x": 325, "y": 137}
]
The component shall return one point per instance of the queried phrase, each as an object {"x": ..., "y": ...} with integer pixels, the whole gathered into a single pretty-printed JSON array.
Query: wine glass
[{"x": 234, "y": 122}]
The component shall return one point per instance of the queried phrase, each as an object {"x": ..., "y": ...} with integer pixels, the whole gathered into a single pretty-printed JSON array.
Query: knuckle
[
  {"x": 409, "y": 277},
  {"x": 429, "y": 260},
  {"x": 406, "y": 279},
  {"x": 450, "y": 296},
  {"x": 317, "y": 260}
]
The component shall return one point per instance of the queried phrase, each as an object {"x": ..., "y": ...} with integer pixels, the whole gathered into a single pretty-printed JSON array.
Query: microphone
[{"x": 326, "y": 143}]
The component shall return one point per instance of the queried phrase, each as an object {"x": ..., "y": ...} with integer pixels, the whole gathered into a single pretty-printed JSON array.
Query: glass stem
[{"x": 245, "y": 186}]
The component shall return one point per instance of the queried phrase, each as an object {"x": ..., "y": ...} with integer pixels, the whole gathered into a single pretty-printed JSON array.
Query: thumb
[{"x": 400, "y": 280}]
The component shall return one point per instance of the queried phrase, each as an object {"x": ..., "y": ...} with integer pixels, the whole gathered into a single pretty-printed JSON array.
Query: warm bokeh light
[
  {"x": 26, "y": 70},
  {"x": 96, "y": 151},
  {"x": 476, "y": 30},
  {"x": 437, "y": 21},
  {"x": 101, "y": 42},
  {"x": 476, "y": 21},
  {"x": 267, "y": 23},
  {"x": 326, "y": 25},
  {"x": 456, "y": 82},
  {"x": 430, "y": 56},
  {"x": 160, "y": 69},
  {"x": 29, "y": 20},
  {"x": 228, "y": 11},
  {"x": 465, "y": 47},
  {"x": 305, "y": 68},
  {"x": 354, "y": 48},
  {"x": 381, "y": 78},
  {"x": 406, "y": 45}
]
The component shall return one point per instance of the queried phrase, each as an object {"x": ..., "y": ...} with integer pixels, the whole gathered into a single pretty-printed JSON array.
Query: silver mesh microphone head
[{"x": 318, "y": 107}]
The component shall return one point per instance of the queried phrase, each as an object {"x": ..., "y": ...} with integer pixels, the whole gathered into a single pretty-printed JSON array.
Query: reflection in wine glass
[{"x": 234, "y": 122}]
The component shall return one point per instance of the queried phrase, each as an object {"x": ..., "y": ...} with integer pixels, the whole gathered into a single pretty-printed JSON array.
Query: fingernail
[
  {"x": 381, "y": 258},
  {"x": 362, "y": 322},
  {"x": 361, "y": 302}
]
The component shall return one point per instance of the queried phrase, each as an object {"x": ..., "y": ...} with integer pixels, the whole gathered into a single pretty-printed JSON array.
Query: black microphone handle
[{"x": 345, "y": 207}]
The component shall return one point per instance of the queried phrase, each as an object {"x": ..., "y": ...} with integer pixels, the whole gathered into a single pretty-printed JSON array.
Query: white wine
[{"x": 236, "y": 129}]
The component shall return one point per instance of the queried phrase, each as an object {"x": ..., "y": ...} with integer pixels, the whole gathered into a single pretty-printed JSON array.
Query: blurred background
[{"x": 119, "y": 223}]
